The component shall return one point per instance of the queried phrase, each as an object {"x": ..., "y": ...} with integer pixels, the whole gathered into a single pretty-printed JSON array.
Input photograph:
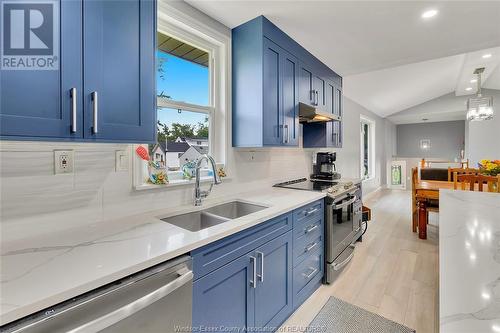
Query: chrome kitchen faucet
[{"x": 198, "y": 193}]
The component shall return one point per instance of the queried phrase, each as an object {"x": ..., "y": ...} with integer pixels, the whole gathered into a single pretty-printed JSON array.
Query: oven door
[{"x": 340, "y": 226}]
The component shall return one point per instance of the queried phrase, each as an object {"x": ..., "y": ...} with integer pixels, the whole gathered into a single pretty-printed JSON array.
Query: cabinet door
[
  {"x": 272, "y": 117},
  {"x": 290, "y": 100},
  {"x": 37, "y": 103},
  {"x": 119, "y": 69},
  {"x": 273, "y": 295},
  {"x": 319, "y": 87},
  {"x": 225, "y": 297},
  {"x": 337, "y": 109},
  {"x": 306, "y": 94}
]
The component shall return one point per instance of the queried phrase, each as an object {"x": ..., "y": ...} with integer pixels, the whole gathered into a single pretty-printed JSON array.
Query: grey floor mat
[{"x": 338, "y": 316}]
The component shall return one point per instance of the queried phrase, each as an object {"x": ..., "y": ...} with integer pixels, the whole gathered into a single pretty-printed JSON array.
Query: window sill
[
  {"x": 368, "y": 179},
  {"x": 173, "y": 183}
]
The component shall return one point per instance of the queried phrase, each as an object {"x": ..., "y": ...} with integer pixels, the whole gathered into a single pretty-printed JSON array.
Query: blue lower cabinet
[
  {"x": 225, "y": 298},
  {"x": 251, "y": 281},
  {"x": 273, "y": 295}
]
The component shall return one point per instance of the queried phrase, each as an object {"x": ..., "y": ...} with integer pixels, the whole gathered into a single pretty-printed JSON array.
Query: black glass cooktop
[{"x": 307, "y": 185}]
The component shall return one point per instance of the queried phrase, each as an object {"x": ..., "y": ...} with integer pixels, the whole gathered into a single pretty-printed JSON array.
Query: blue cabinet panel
[
  {"x": 225, "y": 297},
  {"x": 107, "y": 49},
  {"x": 37, "y": 103},
  {"x": 273, "y": 117},
  {"x": 273, "y": 295},
  {"x": 290, "y": 98},
  {"x": 249, "y": 279},
  {"x": 119, "y": 66},
  {"x": 221, "y": 252}
]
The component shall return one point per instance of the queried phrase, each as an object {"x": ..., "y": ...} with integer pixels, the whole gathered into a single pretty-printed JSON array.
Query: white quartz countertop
[
  {"x": 38, "y": 272},
  {"x": 469, "y": 261}
]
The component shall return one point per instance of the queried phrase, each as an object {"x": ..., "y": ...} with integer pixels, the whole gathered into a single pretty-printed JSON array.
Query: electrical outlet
[{"x": 63, "y": 161}]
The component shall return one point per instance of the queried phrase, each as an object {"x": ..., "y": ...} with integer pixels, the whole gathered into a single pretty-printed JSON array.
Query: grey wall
[
  {"x": 447, "y": 139},
  {"x": 348, "y": 157}
]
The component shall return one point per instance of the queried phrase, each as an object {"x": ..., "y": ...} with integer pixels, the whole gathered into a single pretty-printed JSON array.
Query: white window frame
[
  {"x": 371, "y": 148},
  {"x": 180, "y": 25}
]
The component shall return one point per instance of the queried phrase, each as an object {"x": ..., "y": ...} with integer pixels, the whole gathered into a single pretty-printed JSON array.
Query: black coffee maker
[{"x": 324, "y": 167}]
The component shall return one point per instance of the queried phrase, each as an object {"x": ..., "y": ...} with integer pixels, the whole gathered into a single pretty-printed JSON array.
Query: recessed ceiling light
[
  {"x": 487, "y": 55},
  {"x": 473, "y": 81},
  {"x": 468, "y": 88},
  {"x": 429, "y": 13}
]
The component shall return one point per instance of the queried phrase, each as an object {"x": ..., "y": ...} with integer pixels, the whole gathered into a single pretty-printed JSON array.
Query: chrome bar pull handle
[
  {"x": 261, "y": 275},
  {"x": 310, "y": 275},
  {"x": 253, "y": 282},
  {"x": 72, "y": 93},
  {"x": 285, "y": 135},
  {"x": 95, "y": 112},
  {"x": 310, "y": 247},
  {"x": 310, "y": 228},
  {"x": 317, "y": 98}
]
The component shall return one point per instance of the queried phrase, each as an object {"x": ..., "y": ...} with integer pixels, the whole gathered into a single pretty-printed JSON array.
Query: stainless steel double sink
[{"x": 206, "y": 218}]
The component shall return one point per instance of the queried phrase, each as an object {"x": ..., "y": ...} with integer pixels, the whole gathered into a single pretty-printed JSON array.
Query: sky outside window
[{"x": 183, "y": 81}]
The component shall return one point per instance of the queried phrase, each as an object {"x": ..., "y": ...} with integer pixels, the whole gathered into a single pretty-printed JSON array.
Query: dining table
[{"x": 426, "y": 190}]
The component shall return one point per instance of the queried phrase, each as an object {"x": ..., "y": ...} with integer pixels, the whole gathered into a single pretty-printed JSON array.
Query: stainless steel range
[{"x": 343, "y": 215}]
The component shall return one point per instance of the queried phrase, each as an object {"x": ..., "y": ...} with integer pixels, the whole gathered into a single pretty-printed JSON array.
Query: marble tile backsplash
[{"x": 31, "y": 193}]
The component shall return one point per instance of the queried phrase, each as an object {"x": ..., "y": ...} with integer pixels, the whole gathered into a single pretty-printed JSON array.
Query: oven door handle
[
  {"x": 345, "y": 204},
  {"x": 338, "y": 266}
]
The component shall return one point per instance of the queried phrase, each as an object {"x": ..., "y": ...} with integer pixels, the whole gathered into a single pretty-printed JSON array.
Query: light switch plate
[
  {"x": 63, "y": 161},
  {"x": 121, "y": 160}
]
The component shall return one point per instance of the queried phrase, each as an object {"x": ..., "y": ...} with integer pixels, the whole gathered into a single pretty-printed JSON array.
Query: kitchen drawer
[
  {"x": 308, "y": 270},
  {"x": 221, "y": 252},
  {"x": 306, "y": 246},
  {"x": 307, "y": 226},
  {"x": 310, "y": 211}
]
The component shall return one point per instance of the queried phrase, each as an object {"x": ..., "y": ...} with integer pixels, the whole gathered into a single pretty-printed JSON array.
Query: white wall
[{"x": 31, "y": 194}]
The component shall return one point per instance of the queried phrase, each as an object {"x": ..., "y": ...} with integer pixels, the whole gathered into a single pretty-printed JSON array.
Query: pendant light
[{"x": 479, "y": 107}]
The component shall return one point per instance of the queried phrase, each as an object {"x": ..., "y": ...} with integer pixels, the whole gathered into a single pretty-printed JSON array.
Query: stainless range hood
[{"x": 312, "y": 114}]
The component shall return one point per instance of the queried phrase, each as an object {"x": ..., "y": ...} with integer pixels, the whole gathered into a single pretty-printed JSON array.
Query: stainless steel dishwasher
[{"x": 158, "y": 299}]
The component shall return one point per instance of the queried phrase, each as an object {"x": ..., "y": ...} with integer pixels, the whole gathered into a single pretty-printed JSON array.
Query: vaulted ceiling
[{"x": 390, "y": 57}]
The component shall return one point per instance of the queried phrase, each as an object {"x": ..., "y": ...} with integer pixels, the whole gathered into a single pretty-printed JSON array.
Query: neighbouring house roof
[
  {"x": 161, "y": 145},
  {"x": 201, "y": 149},
  {"x": 177, "y": 147},
  {"x": 185, "y": 139}
]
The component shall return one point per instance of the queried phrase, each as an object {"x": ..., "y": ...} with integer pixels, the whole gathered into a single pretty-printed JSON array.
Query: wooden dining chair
[
  {"x": 461, "y": 171},
  {"x": 414, "y": 208},
  {"x": 469, "y": 181}
]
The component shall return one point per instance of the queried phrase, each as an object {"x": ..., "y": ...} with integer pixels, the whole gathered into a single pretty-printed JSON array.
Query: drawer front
[
  {"x": 221, "y": 252},
  {"x": 305, "y": 248},
  {"x": 310, "y": 211},
  {"x": 310, "y": 268},
  {"x": 308, "y": 227}
]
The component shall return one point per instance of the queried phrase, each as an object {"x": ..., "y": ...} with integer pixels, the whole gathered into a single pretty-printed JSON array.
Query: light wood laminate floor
[{"x": 393, "y": 273}]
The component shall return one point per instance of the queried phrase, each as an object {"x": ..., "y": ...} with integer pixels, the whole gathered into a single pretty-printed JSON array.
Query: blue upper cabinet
[
  {"x": 271, "y": 74},
  {"x": 104, "y": 87},
  {"x": 329, "y": 134},
  {"x": 265, "y": 90},
  {"x": 119, "y": 70},
  {"x": 43, "y": 102}
]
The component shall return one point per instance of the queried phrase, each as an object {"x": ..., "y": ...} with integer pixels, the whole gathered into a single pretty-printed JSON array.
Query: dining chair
[
  {"x": 469, "y": 181},
  {"x": 461, "y": 171},
  {"x": 414, "y": 208}
]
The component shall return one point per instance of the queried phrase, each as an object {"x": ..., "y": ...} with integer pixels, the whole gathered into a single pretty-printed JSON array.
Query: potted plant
[{"x": 489, "y": 167}]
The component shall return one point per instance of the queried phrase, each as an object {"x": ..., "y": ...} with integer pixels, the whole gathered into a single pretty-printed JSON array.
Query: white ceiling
[
  {"x": 391, "y": 59},
  {"x": 359, "y": 36},
  {"x": 394, "y": 89}
]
